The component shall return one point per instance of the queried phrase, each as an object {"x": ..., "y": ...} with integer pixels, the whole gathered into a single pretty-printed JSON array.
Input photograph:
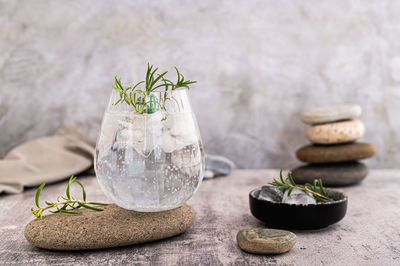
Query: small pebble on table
[{"x": 265, "y": 241}]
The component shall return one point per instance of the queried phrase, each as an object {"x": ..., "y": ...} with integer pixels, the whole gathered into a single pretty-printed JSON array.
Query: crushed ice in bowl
[{"x": 274, "y": 194}]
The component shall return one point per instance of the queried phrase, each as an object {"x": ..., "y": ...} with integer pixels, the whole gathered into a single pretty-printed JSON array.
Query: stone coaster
[
  {"x": 332, "y": 113},
  {"x": 265, "y": 241},
  {"x": 112, "y": 227},
  {"x": 337, "y": 132},
  {"x": 337, "y": 174},
  {"x": 335, "y": 153}
]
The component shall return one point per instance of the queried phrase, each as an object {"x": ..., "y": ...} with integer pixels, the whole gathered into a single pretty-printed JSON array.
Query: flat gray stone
[
  {"x": 338, "y": 174},
  {"x": 112, "y": 227},
  {"x": 332, "y": 113},
  {"x": 217, "y": 166},
  {"x": 265, "y": 241}
]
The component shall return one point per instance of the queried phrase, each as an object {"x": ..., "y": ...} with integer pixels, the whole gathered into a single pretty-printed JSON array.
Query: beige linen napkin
[{"x": 47, "y": 159}]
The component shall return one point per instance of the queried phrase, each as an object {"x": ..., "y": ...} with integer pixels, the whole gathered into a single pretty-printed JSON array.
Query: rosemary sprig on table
[
  {"x": 68, "y": 203},
  {"x": 316, "y": 189},
  {"x": 142, "y": 96}
]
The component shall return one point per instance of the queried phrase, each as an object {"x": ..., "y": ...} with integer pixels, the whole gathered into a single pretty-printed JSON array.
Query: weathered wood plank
[{"x": 369, "y": 234}]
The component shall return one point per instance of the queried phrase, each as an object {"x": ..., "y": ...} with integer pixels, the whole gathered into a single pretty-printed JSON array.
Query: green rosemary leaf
[
  {"x": 167, "y": 81},
  {"x": 118, "y": 83},
  {"x": 281, "y": 177},
  {"x": 98, "y": 203},
  {"x": 67, "y": 192},
  {"x": 178, "y": 74},
  {"x": 69, "y": 212},
  {"x": 117, "y": 102},
  {"x": 83, "y": 190},
  {"x": 150, "y": 80},
  {"x": 319, "y": 198},
  {"x": 38, "y": 194},
  {"x": 291, "y": 179},
  {"x": 315, "y": 184},
  {"x": 90, "y": 207},
  {"x": 152, "y": 74},
  {"x": 126, "y": 99},
  {"x": 148, "y": 73},
  {"x": 137, "y": 84},
  {"x": 73, "y": 207},
  {"x": 308, "y": 186},
  {"x": 161, "y": 85},
  {"x": 131, "y": 99},
  {"x": 182, "y": 78},
  {"x": 321, "y": 187},
  {"x": 276, "y": 183},
  {"x": 157, "y": 79}
]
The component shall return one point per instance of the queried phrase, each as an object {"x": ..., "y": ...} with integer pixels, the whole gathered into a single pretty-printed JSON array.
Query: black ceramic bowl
[{"x": 293, "y": 216}]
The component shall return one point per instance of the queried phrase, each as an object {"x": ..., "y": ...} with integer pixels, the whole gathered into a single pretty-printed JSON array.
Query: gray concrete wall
[{"x": 258, "y": 65}]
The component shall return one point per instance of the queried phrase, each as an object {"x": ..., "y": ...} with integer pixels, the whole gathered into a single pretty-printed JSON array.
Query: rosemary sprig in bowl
[
  {"x": 65, "y": 204},
  {"x": 316, "y": 189}
]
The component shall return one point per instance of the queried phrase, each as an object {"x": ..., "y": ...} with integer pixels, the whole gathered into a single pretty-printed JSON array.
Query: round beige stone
[
  {"x": 265, "y": 241},
  {"x": 337, "y": 132},
  {"x": 112, "y": 227}
]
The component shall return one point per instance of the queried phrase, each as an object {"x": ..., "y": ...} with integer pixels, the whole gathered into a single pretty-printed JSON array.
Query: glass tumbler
[{"x": 150, "y": 161}]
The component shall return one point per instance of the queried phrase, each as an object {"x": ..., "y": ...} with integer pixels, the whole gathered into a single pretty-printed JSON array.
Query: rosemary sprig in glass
[
  {"x": 316, "y": 189},
  {"x": 142, "y": 96},
  {"x": 68, "y": 203},
  {"x": 180, "y": 83}
]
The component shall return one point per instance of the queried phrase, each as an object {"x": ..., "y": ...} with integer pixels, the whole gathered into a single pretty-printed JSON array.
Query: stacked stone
[{"x": 334, "y": 153}]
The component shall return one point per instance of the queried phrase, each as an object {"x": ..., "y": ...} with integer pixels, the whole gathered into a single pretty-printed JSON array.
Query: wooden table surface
[{"x": 368, "y": 235}]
